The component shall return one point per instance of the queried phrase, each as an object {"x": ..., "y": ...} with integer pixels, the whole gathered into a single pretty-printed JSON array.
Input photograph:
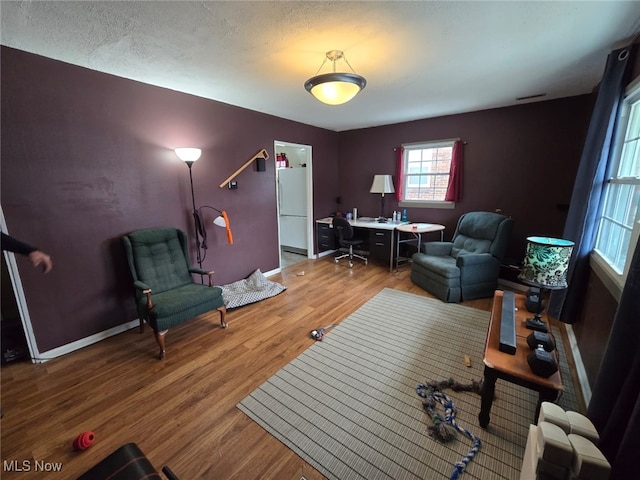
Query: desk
[
  {"x": 417, "y": 229},
  {"x": 512, "y": 368},
  {"x": 381, "y": 236}
]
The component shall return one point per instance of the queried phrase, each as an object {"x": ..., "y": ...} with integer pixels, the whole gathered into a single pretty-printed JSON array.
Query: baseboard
[
  {"x": 326, "y": 253},
  {"x": 272, "y": 272},
  {"x": 84, "y": 342},
  {"x": 299, "y": 251},
  {"x": 583, "y": 380}
]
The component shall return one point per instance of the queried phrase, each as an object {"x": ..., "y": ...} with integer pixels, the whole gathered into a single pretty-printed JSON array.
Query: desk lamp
[
  {"x": 545, "y": 266},
  {"x": 382, "y": 184}
]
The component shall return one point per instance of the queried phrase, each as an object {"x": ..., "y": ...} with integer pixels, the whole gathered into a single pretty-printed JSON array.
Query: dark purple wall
[
  {"x": 521, "y": 159},
  {"x": 88, "y": 157}
]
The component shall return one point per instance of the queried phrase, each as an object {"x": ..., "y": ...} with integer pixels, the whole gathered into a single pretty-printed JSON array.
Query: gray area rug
[{"x": 348, "y": 405}]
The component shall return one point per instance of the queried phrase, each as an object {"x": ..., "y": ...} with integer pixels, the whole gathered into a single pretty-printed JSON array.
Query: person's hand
[{"x": 38, "y": 257}]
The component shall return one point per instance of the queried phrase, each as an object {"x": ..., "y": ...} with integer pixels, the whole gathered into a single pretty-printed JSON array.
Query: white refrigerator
[{"x": 292, "y": 193}]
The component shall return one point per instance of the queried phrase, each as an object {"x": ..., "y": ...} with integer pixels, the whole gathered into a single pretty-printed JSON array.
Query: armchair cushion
[
  {"x": 444, "y": 265},
  {"x": 173, "y": 307},
  {"x": 159, "y": 259}
]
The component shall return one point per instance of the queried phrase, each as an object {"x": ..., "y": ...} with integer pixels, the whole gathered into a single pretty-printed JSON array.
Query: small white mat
[{"x": 252, "y": 289}]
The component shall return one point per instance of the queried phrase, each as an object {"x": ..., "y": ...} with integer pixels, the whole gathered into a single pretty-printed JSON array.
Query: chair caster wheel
[
  {"x": 350, "y": 265},
  {"x": 335, "y": 261}
]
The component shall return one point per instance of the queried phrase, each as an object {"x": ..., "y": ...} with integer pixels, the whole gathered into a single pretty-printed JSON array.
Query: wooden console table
[{"x": 512, "y": 368}]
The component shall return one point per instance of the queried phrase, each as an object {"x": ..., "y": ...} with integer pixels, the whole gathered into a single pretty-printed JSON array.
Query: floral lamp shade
[{"x": 546, "y": 262}]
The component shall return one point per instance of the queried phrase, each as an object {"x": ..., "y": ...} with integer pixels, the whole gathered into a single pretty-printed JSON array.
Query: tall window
[
  {"x": 426, "y": 168},
  {"x": 620, "y": 219}
]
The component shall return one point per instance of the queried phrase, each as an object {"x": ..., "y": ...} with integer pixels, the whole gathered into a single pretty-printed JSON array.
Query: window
[
  {"x": 425, "y": 178},
  {"x": 620, "y": 219}
]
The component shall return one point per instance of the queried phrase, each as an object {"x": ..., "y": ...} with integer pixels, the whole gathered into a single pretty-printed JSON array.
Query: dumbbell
[{"x": 540, "y": 360}]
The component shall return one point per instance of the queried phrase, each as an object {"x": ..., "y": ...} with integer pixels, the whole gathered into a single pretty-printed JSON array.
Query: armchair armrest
[
  {"x": 202, "y": 271},
  {"x": 141, "y": 286},
  {"x": 146, "y": 290},
  {"x": 437, "y": 248},
  {"x": 470, "y": 259},
  {"x": 478, "y": 268}
]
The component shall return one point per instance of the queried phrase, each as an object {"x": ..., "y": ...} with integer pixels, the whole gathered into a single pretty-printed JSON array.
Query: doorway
[
  {"x": 17, "y": 337},
  {"x": 294, "y": 194}
]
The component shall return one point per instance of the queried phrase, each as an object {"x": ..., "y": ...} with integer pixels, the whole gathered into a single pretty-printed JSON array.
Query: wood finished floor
[{"x": 182, "y": 411}]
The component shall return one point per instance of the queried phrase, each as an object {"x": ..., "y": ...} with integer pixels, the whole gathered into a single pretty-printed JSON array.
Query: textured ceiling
[{"x": 421, "y": 59}]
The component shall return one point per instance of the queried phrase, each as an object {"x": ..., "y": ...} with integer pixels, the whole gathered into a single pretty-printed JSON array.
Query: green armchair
[
  {"x": 469, "y": 265},
  {"x": 165, "y": 292}
]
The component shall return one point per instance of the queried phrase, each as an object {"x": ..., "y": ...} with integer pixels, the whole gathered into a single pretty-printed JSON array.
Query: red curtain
[
  {"x": 399, "y": 172},
  {"x": 454, "y": 188}
]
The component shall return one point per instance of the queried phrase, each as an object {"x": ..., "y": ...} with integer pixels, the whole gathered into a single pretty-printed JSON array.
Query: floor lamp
[
  {"x": 545, "y": 266},
  {"x": 382, "y": 184},
  {"x": 189, "y": 156}
]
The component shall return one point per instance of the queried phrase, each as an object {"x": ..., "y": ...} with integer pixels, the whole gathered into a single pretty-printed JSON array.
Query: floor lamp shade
[
  {"x": 546, "y": 262},
  {"x": 188, "y": 154}
]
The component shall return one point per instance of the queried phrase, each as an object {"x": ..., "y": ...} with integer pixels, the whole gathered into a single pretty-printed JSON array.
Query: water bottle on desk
[{"x": 404, "y": 215}]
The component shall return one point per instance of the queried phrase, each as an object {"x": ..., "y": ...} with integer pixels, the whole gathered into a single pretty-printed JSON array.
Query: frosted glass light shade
[
  {"x": 219, "y": 221},
  {"x": 335, "y": 88},
  {"x": 188, "y": 154}
]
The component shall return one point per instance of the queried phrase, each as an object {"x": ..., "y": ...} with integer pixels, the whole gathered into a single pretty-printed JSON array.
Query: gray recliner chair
[{"x": 469, "y": 265}]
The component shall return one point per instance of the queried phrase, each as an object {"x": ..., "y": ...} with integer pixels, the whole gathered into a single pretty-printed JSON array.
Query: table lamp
[
  {"x": 382, "y": 184},
  {"x": 545, "y": 266}
]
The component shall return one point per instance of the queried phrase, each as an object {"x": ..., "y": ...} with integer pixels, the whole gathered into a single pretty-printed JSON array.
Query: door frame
[
  {"x": 309, "y": 169},
  {"x": 18, "y": 292}
]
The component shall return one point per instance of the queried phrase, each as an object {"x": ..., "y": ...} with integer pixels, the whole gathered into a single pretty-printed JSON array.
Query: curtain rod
[{"x": 464, "y": 142}]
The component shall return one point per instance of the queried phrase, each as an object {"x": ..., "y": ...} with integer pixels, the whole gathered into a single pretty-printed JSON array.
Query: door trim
[{"x": 309, "y": 170}]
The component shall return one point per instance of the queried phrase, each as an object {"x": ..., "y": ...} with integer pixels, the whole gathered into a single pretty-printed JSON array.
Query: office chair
[{"x": 344, "y": 232}]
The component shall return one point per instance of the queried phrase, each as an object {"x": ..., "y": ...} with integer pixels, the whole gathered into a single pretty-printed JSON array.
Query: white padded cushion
[
  {"x": 581, "y": 425},
  {"x": 588, "y": 462},
  {"x": 552, "y": 413},
  {"x": 553, "y": 445}
]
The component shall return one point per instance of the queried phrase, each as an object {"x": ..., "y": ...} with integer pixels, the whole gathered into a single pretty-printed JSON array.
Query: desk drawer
[
  {"x": 380, "y": 244},
  {"x": 326, "y": 239}
]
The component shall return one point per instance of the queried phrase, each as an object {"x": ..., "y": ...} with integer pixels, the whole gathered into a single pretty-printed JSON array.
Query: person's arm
[
  {"x": 16, "y": 246},
  {"x": 36, "y": 257}
]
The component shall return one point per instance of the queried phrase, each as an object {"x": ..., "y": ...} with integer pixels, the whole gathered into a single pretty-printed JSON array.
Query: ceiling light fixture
[{"x": 335, "y": 88}]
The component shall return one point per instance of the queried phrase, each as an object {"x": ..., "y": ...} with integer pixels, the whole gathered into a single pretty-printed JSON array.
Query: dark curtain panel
[
  {"x": 581, "y": 226},
  {"x": 399, "y": 172},
  {"x": 454, "y": 188},
  {"x": 614, "y": 408}
]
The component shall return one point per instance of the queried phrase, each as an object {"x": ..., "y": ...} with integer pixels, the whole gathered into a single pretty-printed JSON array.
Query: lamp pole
[{"x": 195, "y": 216}]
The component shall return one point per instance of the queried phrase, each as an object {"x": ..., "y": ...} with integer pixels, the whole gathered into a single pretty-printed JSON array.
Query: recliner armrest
[
  {"x": 469, "y": 259},
  {"x": 437, "y": 248}
]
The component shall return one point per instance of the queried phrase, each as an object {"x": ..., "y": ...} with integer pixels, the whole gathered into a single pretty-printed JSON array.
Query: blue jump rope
[{"x": 441, "y": 430}]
